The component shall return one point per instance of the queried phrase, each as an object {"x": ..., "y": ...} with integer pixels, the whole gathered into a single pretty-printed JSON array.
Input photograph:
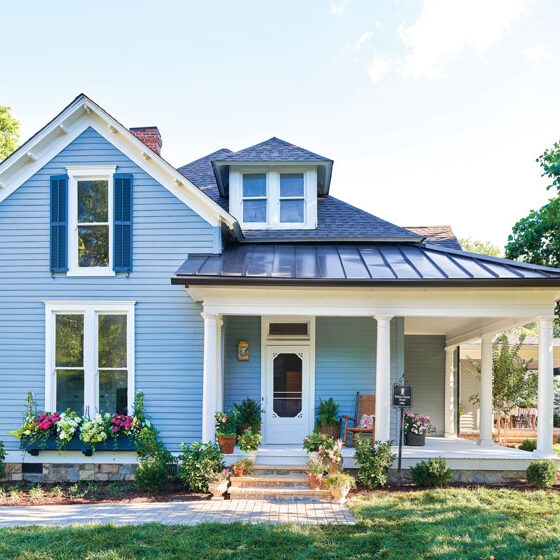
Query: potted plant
[
  {"x": 226, "y": 423},
  {"x": 241, "y": 467},
  {"x": 416, "y": 426},
  {"x": 218, "y": 483},
  {"x": 315, "y": 470},
  {"x": 339, "y": 484},
  {"x": 249, "y": 415},
  {"x": 328, "y": 420},
  {"x": 249, "y": 441},
  {"x": 332, "y": 456},
  {"x": 314, "y": 441}
]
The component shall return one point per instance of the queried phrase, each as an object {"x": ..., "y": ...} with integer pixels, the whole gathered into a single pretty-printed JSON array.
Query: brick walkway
[{"x": 181, "y": 513}]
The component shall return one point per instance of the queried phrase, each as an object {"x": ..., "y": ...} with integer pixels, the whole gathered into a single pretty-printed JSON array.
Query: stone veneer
[
  {"x": 472, "y": 476},
  {"x": 72, "y": 472}
]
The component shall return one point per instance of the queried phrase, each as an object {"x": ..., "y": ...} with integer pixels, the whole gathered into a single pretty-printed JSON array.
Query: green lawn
[{"x": 439, "y": 524}]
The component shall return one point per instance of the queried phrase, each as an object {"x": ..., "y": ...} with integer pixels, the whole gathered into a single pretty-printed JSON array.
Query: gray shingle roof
[
  {"x": 357, "y": 264},
  {"x": 438, "y": 235}
]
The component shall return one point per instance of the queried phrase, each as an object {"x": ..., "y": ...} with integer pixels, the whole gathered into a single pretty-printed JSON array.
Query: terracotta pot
[
  {"x": 315, "y": 481},
  {"x": 239, "y": 470},
  {"x": 333, "y": 468},
  {"x": 331, "y": 430},
  {"x": 227, "y": 444},
  {"x": 415, "y": 439},
  {"x": 339, "y": 494},
  {"x": 218, "y": 488}
]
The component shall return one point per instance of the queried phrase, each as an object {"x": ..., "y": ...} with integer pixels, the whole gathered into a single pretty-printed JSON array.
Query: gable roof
[
  {"x": 438, "y": 235},
  {"x": 83, "y": 113},
  {"x": 363, "y": 264}
]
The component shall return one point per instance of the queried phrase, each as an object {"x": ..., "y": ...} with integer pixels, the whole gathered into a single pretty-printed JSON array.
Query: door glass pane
[
  {"x": 70, "y": 390},
  {"x": 291, "y": 211},
  {"x": 286, "y": 329},
  {"x": 69, "y": 341},
  {"x": 254, "y": 184},
  {"x": 113, "y": 391},
  {"x": 254, "y": 211},
  {"x": 93, "y": 201},
  {"x": 93, "y": 246},
  {"x": 111, "y": 336},
  {"x": 287, "y": 385},
  {"x": 291, "y": 184}
]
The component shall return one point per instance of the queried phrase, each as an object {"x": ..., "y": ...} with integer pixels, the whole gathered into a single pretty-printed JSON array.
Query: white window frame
[
  {"x": 273, "y": 196},
  {"x": 90, "y": 310},
  {"x": 88, "y": 173}
]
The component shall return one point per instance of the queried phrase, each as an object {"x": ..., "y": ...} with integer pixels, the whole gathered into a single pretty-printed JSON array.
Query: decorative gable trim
[{"x": 77, "y": 117}]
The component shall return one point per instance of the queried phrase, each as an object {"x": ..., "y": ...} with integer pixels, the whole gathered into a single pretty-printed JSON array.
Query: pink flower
[{"x": 115, "y": 429}]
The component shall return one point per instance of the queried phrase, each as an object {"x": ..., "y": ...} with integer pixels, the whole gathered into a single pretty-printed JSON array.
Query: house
[{"x": 122, "y": 273}]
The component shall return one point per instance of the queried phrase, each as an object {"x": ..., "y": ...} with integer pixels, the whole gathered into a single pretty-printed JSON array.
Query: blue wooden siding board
[
  {"x": 169, "y": 328},
  {"x": 241, "y": 378}
]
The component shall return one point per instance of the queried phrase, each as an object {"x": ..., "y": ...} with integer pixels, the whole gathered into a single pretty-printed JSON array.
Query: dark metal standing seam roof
[{"x": 358, "y": 264}]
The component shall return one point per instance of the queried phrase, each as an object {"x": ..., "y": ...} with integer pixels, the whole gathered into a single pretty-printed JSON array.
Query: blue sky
[{"x": 433, "y": 110}]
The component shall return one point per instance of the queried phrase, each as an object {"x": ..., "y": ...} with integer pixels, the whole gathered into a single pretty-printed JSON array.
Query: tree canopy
[
  {"x": 481, "y": 247},
  {"x": 9, "y": 132}
]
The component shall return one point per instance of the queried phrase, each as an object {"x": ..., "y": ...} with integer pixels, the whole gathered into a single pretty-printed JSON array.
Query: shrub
[
  {"x": 2, "y": 459},
  {"x": 374, "y": 461},
  {"x": 556, "y": 420},
  {"x": 249, "y": 440},
  {"x": 327, "y": 412},
  {"x": 338, "y": 480},
  {"x": 249, "y": 412},
  {"x": 431, "y": 473},
  {"x": 528, "y": 445},
  {"x": 314, "y": 441},
  {"x": 541, "y": 474},
  {"x": 151, "y": 474},
  {"x": 197, "y": 461}
]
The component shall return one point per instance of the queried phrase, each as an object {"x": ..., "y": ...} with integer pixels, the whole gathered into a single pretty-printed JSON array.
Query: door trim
[{"x": 267, "y": 343}]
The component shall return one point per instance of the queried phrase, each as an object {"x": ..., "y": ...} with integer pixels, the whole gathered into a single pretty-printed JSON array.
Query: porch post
[
  {"x": 383, "y": 379},
  {"x": 546, "y": 389},
  {"x": 486, "y": 421},
  {"x": 210, "y": 374},
  {"x": 219, "y": 365},
  {"x": 449, "y": 412}
]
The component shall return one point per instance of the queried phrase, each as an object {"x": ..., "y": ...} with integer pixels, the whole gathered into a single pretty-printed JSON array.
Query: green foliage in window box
[
  {"x": 374, "y": 462},
  {"x": 196, "y": 461},
  {"x": 528, "y": 445},
  {"x": 541, "y": 474},
  {"x": 431, "y": 473}
]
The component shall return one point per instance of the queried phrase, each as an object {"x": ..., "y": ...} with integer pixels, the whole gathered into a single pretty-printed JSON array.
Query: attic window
[
  {"x": 254, "y": 198},
  {"x": 292, "y": 198}
]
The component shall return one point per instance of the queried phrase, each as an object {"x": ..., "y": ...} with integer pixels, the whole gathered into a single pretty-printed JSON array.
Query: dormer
[{"x": 273, "y": 185}]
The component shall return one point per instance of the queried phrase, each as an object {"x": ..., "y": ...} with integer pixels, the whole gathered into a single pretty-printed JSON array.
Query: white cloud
[
  {"x": 338, "y": 7},
  {"x": 378, "y": 68},
  {"x": 445, "y": 28},
  {"x": 537, "y": 53},
  {"x": 359, "y": 42}
]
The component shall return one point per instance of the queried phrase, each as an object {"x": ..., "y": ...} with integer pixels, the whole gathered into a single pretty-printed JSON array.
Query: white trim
[
  {"x": 76, "y": 118},
  {"x": 91, "y": 311}
]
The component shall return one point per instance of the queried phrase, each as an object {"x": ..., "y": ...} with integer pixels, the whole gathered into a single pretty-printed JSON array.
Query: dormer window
[{"x": 282, "y": 198}]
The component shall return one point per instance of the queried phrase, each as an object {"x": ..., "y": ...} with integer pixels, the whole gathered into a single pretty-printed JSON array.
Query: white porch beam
[
  {"x": 383, "y": 379},
  {"x": 210, "y": 375},
  {"x": 450, "y": 404},
  {"x": 486, "y": 418},
  {"x": 546, "y": 389}
]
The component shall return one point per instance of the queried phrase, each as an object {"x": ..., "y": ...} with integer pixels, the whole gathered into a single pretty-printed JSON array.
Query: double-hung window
[
  {"x": 90, "y": 357},
  {"x": 292, "y": 198},
  {"x": 254, "y": 198}
]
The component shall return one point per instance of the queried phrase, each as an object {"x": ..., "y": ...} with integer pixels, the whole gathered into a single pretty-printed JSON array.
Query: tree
[
  {"x": 481, "y": 247},
  {"x": 9, "y": 132}
]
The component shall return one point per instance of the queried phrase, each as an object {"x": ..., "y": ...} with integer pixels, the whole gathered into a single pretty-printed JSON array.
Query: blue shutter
[
  {"x": 59, "y": 223},
  {"x": 122, "y": 223}
]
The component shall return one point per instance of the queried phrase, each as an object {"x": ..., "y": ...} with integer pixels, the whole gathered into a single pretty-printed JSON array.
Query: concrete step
[
  {"x": 269, "y": 482},
  {"x": 279, "y": 470},
  {"x": 280, "y": 494}
]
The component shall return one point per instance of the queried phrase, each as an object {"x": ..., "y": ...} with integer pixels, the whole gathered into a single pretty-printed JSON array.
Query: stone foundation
[
  {"x": 468, "y": 476},
  {"x": 70, "y": 472}
]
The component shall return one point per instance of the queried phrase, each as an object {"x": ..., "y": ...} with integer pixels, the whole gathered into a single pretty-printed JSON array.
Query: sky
[{"x": 433, "y": 111}]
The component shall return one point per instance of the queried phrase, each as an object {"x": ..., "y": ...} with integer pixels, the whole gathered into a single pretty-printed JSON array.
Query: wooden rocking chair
[{"x": 365, "y": 404}]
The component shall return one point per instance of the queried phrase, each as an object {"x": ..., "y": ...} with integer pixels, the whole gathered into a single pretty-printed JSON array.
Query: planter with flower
[
  {"x": 218, "y": 483},
  {"x": 249, "y": 442},
  {"x": 241, "y": 467},
  {"x": 331, "y": 456},
  {"x": 314, "y": 441},
  {"x": 416, "y": 426},
  {"x": 339, "y": 484},
  {"x": 226, "y": 424},
  {"x": 315, "y": 470}
]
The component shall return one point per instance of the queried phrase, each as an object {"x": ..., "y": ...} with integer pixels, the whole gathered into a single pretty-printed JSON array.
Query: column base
[
  {"x": 545, "y": 454},
  {"x": 485, "y": 442},
  {"x": 450, "y": 435}
]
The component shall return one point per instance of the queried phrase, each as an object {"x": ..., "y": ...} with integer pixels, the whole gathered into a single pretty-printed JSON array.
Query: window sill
[{"x": 90, "y": 273}]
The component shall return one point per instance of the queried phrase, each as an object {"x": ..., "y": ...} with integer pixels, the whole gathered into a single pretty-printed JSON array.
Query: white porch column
[
  {"x": 219, "y": 366},
  {"x": 210, "y": 375},
  {"x": 450, "y": 405},
  {"x": 383, "y": 379},
  {"x": 486, "y": 421},
  {"x": 546, "y": 386}
]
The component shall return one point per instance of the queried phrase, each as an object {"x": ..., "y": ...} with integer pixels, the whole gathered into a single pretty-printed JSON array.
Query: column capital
[
  {"x": 210, "y": 316},
  {"x": 546, "y": 319},
  {"x": 382, "y": 317},
  {"x": 487, "y": 338}
]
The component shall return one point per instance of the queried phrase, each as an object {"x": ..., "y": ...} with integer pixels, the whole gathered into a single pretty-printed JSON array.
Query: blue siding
[
  {"x": 242, "y": 379},
  {"x": 169, "y": 328}
]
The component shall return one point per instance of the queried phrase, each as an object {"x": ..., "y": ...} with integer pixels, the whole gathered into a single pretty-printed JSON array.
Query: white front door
[{"x": 287, "y": 398}]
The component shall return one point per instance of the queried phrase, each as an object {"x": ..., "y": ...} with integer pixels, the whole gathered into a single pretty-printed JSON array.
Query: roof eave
[{"x": 310, "y": 240}]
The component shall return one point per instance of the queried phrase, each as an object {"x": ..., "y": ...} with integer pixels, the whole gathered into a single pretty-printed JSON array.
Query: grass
[{"x": 434, "y": 524}]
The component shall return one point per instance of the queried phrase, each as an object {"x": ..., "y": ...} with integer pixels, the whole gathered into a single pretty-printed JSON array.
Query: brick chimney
[{"x": 150, "y": 136}]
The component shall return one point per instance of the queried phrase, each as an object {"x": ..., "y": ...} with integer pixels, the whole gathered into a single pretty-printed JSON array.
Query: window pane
[
  {"x": 70, "y": 390},
  {"x": 291, "y": 184},
  {"x": 113, "y": 391},
  {"x": 254, "y": 211},
  {"x": 69, "y": 341},
  {"x": 287, "y": 397},
  {"x": 283, "y": 329},
  {"x": 111, "y": 337},
  {"x": 93, "y": 201},
  {"x": 93, "y": 246},
  {"x": 291, "y": 211},
  {"x": 254, "y": 184}
]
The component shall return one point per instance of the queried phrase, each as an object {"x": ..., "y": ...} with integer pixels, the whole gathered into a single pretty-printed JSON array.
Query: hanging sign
[{"x": 402, "y": 395}]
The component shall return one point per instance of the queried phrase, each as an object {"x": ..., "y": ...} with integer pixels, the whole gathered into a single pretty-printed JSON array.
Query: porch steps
[{"x": 275, "y": 483}]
